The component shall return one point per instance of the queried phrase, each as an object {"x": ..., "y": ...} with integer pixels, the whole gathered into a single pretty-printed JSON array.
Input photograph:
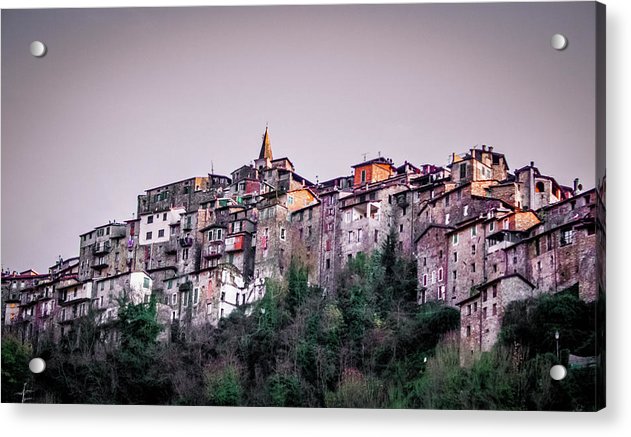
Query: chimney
[
  {"x": 577, "y": 186},
  {"x": 491, "y": 149},
  {"x": 532, "y": 163},
  {"x": 484, "y": 147}
]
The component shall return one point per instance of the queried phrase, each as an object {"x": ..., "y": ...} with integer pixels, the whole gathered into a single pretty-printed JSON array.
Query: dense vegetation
[{"x": 369, "y": 346}]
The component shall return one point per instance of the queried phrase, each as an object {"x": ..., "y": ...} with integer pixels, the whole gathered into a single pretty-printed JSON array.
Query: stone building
[
  {"x": 205, "y": 246},
  {"x": 102, "y": 251}
]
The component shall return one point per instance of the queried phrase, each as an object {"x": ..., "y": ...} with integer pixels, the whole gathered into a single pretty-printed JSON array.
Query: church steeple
[{"x": 266, "y": 147}]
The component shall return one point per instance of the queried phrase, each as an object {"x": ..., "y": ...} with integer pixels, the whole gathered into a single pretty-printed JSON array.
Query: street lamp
[{"x": 556, "y": 336}]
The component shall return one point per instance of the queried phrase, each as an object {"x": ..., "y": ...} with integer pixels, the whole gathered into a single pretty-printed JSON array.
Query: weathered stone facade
[{"x": 482, "y": 237}]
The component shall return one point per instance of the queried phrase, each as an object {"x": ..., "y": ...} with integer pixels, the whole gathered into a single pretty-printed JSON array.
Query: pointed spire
[{"x": 266, "y": 147}]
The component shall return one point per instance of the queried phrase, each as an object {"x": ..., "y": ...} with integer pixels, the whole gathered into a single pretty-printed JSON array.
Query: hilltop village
[{"x": 481, "y": 234}]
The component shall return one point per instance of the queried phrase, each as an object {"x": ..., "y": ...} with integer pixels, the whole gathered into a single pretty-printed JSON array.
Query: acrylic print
[{"x": 348, "y": 206}]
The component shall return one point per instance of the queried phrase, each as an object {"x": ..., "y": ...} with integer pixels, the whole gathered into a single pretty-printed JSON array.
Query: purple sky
[{"x": 128, "y": 99}]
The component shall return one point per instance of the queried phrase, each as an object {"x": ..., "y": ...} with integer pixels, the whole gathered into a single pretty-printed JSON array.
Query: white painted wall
[{"x": 159, "y": 223}]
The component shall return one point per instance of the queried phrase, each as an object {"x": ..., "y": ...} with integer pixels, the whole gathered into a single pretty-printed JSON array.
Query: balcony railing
[
  {"x": 186, "y": 241},
  {"x": 213, "y": 250},
  {"x": 100, "y": 264},
  {"x": 101, "y": 248},
  {"x": 170, "y": 248}
]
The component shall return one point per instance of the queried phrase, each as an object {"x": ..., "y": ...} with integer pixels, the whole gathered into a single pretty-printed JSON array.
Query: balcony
[
  {"x": 170, "y": 248},
  {"x": 101, "y": 248},
  {"x": 100, "y": 264},
  {"x": 187, "y": 226},
  {"x": 186, "y": 241},
  {"x": 214, "y": 249},
  {"x": 234, "y": 244}
]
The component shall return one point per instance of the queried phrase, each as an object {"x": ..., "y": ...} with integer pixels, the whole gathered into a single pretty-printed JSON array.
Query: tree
[{"x": 15, "y": 371}]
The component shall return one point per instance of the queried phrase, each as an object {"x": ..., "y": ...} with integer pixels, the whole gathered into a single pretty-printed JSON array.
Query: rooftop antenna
[
  {"x": 212, "y": 167},
  {"x": 379, "y": 153},
  {"x": 364, "y": 155}
]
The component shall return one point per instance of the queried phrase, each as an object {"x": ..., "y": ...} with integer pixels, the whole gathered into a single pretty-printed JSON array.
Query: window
[
  {"x": 209, "y": 308},
  {"x": 469, "y": 309},
  {"x": 425, "y": 280},
  {"x": 433, "y": 276},
  {"x": 376, "y": 236},
  {"x": 475, "y": 307},
  {"x": 473, "y": 268},
  {"x": 468, "y": 330},
  {"x": 454, "y": 239},
  {"x": 150, "y": 219},
  {"x": 455, "y": 274},
  {"x": 505, "y": 223},
  {"x": 567, "y": 237},
  {"x": 495, "y": 291},
  {"x": 360, "y": 233},
  {"x": 494, "y": 309},
  {"x": 540, "y": 187},
  {"x": 494, "y": 268},
  {"x": 173, "y": 298},
  {"x": 363, "y": 176},
  {"x": 484, "y": 296},
  {"x": 223, "y": 296},
  {"x": 161, "y": 233},
  {"x": 283, "y": 235},
  {"x": 484, "y": 312},
  {"x": 446, "y": 219},
  {"x": 145, "y": 282},
  {"x": 164, "y": 217},
  {"x": 441, "y": 292},
  {"x": 455, "y": 257},
  {"x": 347, "y": 217},
  {"x": 440, "y": 274},
  {"x": 185, "y": 253},
  {"x": 466, "y": 208},
  {"x": 328, "y": 263},
  {"x": 463, "y": 171},
  {"x": 537, "y": 247},
  {"x": 149, "y": 235},
  {"x": 350, "y": 236},
  {"x": 447, "y": 200},
  {"x": 473, "y": 249},
  {"x": 491, "y": 226}
]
